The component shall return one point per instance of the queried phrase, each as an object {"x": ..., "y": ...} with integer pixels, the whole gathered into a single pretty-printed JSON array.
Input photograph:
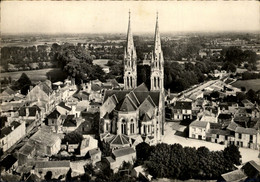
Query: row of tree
[{"x": 177, "y": 162}]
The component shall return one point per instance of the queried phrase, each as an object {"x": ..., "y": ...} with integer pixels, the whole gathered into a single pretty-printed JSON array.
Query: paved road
[{"x": 171, "y": 138}]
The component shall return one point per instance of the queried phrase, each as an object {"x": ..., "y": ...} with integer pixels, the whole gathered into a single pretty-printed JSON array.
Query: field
[
  {"x": 249, "y": 84},
  {"x": 101, "y": 62},
  {"x": 34, "y": 75}
]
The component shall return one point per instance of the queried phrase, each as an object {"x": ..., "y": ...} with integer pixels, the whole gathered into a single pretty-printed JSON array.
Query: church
[{"x": 135, "y": 110}]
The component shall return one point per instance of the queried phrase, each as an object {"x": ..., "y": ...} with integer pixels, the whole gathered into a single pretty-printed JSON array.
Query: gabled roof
[
  {"x": 252, "y": 164},
  {"x": 141, "y": 88},
  {"x": 54, "y": 115},
  {"x": 44, "y": 87},
  {"x": 9, "y": 91},
  {"x": 145, "y": 117},
  {"x": 250, "y": 131},
  {"x": 123, "y": 151},
  {"x": 113, "y": 82},
  {"x": 183, "y": 105},
  {"x": 45, "y": 137},
  {"x": 126, "y": 105},
  {"x": 70, "y": 121},
  {"x": 200, "y": 124}
]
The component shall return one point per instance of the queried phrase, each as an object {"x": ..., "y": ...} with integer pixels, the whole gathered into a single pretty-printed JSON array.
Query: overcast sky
[{"x": 111, "y": 17}]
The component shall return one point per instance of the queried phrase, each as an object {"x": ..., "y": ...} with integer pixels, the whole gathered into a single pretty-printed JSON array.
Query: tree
[
  {"x": 251, "y": 95},
  {"x": 143, "y": 151},
  {"x": 232, "y": 154}
]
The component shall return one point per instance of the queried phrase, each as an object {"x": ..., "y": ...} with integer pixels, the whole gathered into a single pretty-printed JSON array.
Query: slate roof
[
  {"x": 250, "y": 131},
  {"x": 253, "y": 164},
  {"x": 126, "y": 105},
  {"x": 45, "y": 138},
  {"x": 200, "y": 124},
  {"x": 119, "y": 140},
  {"x": 182, "y": 105},
  {"x": 113, "y": 82},
  {"x": 236, "y": 175},
  {"x": 123, "y": 151},
  {"x": 54, "y": 115},
  {"x": 8, "y": 129},
  {"x": 44, "y": 87},
  {"x": 27, "y": 149},
  {"x": 9, "y": 91},
  {"x": 52, "y": 164},
  {"x": 219, "y": 132},
  {"x": 145, "y": 117}
]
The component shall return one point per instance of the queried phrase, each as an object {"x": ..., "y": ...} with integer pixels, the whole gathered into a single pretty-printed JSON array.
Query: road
[{"x": 170, "y": 138}]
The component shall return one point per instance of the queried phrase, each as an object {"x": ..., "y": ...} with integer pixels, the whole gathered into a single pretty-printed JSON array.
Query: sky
[{"x": 112, "y": 17}]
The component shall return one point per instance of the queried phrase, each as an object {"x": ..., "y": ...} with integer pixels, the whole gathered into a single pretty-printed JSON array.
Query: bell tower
[
  {"x": 130, "y": 66},
  {"x": 157, "y": 62}
]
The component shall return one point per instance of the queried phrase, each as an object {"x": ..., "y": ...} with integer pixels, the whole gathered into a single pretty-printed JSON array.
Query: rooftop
[
  {"x": 52, "y": 164},
  {"x": 123, "y": 151},
  {"x": 236, "y": 175},
  {"x": 250, "y": 131},
  {"x": 8, "y": 129},
  {"x": 200, "y": 124},
  {"x": 45, "y": 138}
]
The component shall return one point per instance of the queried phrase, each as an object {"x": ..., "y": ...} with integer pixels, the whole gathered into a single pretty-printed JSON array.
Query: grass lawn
[
  {"x": 34, "y": 75},
  {"x": 249, "y": 84}
]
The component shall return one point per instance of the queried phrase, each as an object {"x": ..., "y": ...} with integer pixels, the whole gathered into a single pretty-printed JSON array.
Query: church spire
[
  {"x": 157, "y": 69},
  {"x": 130, "y": 71}
]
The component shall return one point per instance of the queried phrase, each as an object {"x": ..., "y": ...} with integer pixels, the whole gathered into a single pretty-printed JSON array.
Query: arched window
[
  {"x": 127, "y": 81},
  {"x": 158, "y": 82},
  {"x": 154, "y": 82},
  {"x": 123, "y": 127},
  {"x": 131, "y": 82}
]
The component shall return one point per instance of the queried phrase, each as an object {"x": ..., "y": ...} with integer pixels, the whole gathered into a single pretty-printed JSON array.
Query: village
[{"x": 86, "y": 129}]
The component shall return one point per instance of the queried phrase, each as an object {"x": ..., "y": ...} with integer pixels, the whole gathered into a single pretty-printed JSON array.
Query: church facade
[{"x": 137, "y": 110}]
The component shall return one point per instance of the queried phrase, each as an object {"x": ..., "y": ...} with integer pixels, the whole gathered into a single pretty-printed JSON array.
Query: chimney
[{"x": 12, "y": 128}]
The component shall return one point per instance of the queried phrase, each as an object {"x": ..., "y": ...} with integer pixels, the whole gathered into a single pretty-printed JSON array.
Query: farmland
[
  {"x": 248, "y": 84},
  {"x": 34, "y": 75}
]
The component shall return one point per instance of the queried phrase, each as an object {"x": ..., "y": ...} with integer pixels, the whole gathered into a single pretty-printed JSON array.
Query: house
[
  {"x": 57, "y": 168},
  {"x": 95, "y": 155},
  {"x": 233, "y": 176},
  {"x": 198, "y": 129},
  {"x": 218, "y": 136},
  {"x": 182, "y": 110},
  {"x": 54, "y": 121},
  {"x": 141, "y": 173},
  {"x": 42, "y": 92},
  {"x": 210, "y": 119},
  {"x": 87, "y": 144},
  {"x": 246, "y": 137},
  {"x": 11, "y": 133},
  {"x": 46, "y": 142},
  {"x": 126, "y": 154}
]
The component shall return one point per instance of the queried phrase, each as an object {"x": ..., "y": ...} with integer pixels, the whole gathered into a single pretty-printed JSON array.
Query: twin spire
[{"x": 130, "y": 58}]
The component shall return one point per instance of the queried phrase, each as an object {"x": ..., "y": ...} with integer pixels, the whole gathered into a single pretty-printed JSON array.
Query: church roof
[
  {"x": 141, "y": 88},
  {"x": 119, "y": 140},
  {"x": 126, "y": 105},
  {"x": 145, "y": 117}
]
